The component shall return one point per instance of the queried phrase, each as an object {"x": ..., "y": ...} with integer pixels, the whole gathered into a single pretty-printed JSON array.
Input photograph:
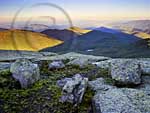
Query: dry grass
[
  {"x": 138, "y": 34},
  {"x": 25, "y": 40},
  {"x": 79, "y": 30},
  {"x": 142, "y": 35}
]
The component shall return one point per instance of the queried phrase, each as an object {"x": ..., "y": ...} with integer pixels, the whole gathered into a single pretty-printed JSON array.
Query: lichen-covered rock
[
  {"x": 83, "y": 60},
  {"x": 74, "y": 89},
  {"x": 103, "y": 64},
  {"x": 126, "y": 71},
  {"x": 56, "y": 65},
  {"x": 72, "y": 55},
  {"x": 144, "y": 64},
  {"x": 100, "y": 85},
  {"x": 25, "y": 72},
  {"x": 145, "y": 67},
  {"x": 122, "y": 101},
  {"x": 145, "y": 86},
  {"x": 62, "y": 82},
  {"x": 80, "y": 62},
  {"x": 139, "y": 98}
]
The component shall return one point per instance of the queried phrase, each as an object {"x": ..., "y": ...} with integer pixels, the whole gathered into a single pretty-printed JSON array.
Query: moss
[
  {"x": 99, "y": 72},
  {"x": 110, "y": 81},
  {"x": 7, "y": 81},
  {"x": 22, "y": 100},
  {"x": 68, "y": 71},
  {"x": 5, "y": 72},
  {"x": 44, "y": 95},
  {"x": 86, "y": 105},
  {"x": 66, "y": 61}
]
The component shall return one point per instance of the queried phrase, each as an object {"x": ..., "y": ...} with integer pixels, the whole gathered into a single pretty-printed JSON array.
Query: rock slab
[
  {"x": 126, "y": 71},
  {"x": 123, "y": 100}
]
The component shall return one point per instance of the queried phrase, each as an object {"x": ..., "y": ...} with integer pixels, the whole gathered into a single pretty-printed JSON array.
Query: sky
[{"x": 80, "y": 12}]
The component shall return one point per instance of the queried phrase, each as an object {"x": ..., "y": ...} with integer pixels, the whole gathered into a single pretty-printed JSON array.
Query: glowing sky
[{"x": 80, "y": 11}]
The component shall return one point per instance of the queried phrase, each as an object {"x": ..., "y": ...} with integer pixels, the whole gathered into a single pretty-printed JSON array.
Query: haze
[{"x": 82, "y": 12}]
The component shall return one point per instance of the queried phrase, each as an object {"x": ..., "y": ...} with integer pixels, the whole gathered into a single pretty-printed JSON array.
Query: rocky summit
[{"x": 32, "y": 82}]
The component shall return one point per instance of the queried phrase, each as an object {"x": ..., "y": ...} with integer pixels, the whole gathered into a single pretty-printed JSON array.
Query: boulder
[
  {"x": 141, "y": 99},
  {"x": 83, "y": 60},
  {"x": 99, "y": 85},
  {"x": 74, "y": 89},
  {"x": 145, "y": 66},
  {"x": 103, "y": 64},
  {"x": 126, "y": 71},
  {"x": 62, "y": 82},
  {"x": 121, "y": 101},
  {"x": 80, "y": 62},
  {"x": 145, "y": 86},
  {"x": 73, "y": 55},
  {"x": 56, "y": 65},
  {"x": 25, "y": 72}
]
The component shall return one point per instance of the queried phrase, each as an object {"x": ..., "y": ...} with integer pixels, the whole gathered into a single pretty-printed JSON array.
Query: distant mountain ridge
[
  {"x": 139, "y": 28},
  {"x": 107, "y": 30},
  {"x": 62, "y": 35},
  {"x": 105, "y": 44},
  {"x": 103, "y": 41},
  {"x": 36, "y": 27},
  {"x": 143, "y": 25}
]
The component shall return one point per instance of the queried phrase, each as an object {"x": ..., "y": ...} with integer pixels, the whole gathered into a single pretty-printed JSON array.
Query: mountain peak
[{"x": 107, "y": 30}]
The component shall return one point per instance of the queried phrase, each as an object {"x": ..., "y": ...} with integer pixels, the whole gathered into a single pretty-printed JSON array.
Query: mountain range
[
  {"x": 36, "y": 27},
  {"x": 120, "y": 40},
  {"x": 139, "y": 28},
  {"x": 143, "y": 25},
  {"x": 107, "y": 30},
  {"x": 102, "y": 42}
]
